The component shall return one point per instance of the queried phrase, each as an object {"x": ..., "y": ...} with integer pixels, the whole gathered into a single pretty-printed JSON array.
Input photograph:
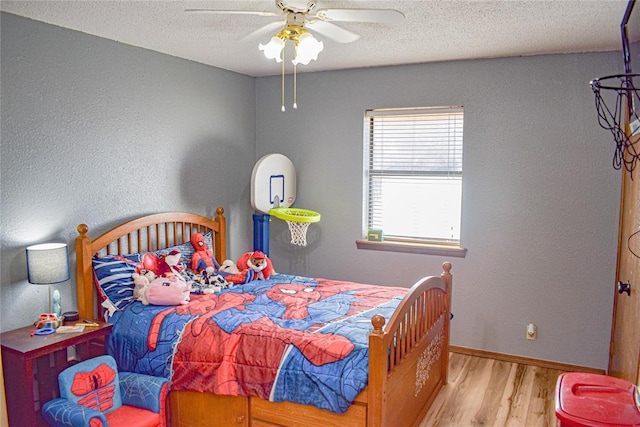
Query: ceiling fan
[
  {"x": 303, "y": 13},
  {"x": 300, "y": 16}
]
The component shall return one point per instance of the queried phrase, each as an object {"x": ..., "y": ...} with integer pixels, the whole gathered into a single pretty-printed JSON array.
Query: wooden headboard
[{"x": 145, "y": 234}]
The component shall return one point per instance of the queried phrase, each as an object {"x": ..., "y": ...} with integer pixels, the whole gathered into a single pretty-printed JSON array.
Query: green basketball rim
[{"x": 295, "y": 214}]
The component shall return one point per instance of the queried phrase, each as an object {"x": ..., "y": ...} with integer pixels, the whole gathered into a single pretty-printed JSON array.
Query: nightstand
[{"x": 31, "y": 365}]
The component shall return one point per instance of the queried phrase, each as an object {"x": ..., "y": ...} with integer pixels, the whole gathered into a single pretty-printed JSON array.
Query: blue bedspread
[{"x": 288, "y": 338}]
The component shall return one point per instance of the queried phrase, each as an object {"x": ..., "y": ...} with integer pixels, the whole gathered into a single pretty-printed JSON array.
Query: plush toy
[
  {"x": 203, "y": 257},
  {"x": 251, "y": 266},
  {"x": 141, "y": 281},
  {"x": 209, "y": 282},
  {"x": 258, "y": 262},
  {"x": 149, "y": 263},
  {"x": 211, "y": 277},
  {"x": 228, "y": 266},
  {"x": 164, "y": 265},
  {"x": 168, "y": 291},
  {"x": 169, "y": 264}
]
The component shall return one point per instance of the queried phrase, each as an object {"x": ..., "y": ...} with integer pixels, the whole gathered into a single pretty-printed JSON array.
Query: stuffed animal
[
  {"x": 211, "y": 277},
  {"x": 141, "y": 281},
  {"x": 251, "y": 266},
  {"x": 243, "y": 277},
  {"x": 228, "y": 266},
  {"x": 258, "y": 262},
  {"x": 169, "y": 264},
  {"x": 164, "y": 265},
  {"x": 168, "y": 291},
  {"x": 203, "y": 257},
  {"x": 209, "y": 282}
]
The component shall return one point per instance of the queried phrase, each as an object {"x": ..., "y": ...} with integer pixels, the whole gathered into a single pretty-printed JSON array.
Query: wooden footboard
[{"x": 408, "y": 357}]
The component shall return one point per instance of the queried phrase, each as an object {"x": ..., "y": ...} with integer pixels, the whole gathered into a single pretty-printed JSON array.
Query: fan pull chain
[
  {"x": 283, "y": 61},
  {"x": 295, "y": 86}
]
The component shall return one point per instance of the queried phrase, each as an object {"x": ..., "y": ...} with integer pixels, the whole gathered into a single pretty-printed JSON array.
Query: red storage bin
[{"x": 591, "y": 400}]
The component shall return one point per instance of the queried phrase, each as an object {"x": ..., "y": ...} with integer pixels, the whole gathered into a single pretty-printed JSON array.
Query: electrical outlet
[{"x": 532, "y": 331}]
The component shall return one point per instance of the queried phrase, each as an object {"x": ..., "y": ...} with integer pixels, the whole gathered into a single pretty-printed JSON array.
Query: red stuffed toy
[
  {"x": 258, "y": 262},
  {"x": 164, "y": 265},
  {"x": 203, "y": 257}
]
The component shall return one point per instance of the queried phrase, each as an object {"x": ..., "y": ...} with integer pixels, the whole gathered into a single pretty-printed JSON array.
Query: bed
[{"x": 406, "y": 346}]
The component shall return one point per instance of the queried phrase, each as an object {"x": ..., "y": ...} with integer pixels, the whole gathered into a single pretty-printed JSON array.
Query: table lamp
[{"x": 48, "y": 263}]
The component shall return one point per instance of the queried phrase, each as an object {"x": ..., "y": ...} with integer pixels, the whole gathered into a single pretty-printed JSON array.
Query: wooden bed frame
[{"x": 408, "y": 357}]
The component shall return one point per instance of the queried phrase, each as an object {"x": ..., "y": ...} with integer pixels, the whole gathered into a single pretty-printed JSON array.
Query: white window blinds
[{"x": 413, "y": 160}]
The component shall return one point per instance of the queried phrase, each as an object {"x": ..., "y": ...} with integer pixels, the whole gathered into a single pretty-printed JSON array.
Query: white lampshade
[
  {"x": 47, "y": 263},
  {"x": 307, "y": 49},
  {"x": 273, "y": 49}
]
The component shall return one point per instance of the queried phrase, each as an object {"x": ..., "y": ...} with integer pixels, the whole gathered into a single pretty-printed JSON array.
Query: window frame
[{"x": 434, "y": 245}]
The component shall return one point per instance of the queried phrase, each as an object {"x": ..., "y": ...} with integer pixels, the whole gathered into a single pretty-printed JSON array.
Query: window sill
[{"x": 413, "y": 248}]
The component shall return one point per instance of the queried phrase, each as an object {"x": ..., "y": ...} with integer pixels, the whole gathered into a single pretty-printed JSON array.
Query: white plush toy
[
  {"x": 210, "y": 282},
  {"x": 141, "y": 281},
  {"x": 228, "y": 266}
]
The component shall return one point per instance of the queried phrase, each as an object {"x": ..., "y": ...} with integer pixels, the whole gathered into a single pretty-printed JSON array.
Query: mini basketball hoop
[
  {"x": 621, "y": 118},
  {"x": 298, "y": 221}
]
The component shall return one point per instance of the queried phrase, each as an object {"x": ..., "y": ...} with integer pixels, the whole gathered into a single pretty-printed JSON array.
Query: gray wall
[
  {"x": 540, "y": 198},
  {"x": 98, "y": 132}
]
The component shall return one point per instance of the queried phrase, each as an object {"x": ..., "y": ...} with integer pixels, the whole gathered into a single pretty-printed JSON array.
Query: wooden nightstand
[{"x": 31, "y": 365}]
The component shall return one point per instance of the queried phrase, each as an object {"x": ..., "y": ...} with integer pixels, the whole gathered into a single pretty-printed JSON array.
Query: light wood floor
[{"x": 488, "y": 392}]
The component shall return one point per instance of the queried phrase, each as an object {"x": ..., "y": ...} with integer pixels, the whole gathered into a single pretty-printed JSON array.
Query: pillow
[
  {"x": 186, "y": 249},
  {"x": 113, "y": 279},
  {"x": 112, "y": 273}
]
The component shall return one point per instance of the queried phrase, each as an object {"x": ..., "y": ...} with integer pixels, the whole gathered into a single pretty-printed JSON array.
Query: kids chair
[{"x": 93, "y": 393}]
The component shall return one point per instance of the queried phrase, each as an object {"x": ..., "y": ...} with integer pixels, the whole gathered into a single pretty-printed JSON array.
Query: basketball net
[
  {"x": 298, "y": 221},
  {"x": 621, "y": 117},
  {"x": 298, "y": 232}
]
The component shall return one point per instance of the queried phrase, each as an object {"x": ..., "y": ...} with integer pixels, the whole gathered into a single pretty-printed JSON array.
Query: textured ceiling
[{"x": 435, "y": 30}]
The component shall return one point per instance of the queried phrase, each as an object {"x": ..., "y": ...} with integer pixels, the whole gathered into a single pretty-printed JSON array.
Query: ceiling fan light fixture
[
  {"x": 299, "y": 13},
  {"x": 273, "y": 49},
  {"x": 307, "y": 49}
]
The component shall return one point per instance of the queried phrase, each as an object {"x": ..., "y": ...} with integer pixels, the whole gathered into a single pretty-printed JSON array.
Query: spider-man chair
[{"x": 93, "y": 393}]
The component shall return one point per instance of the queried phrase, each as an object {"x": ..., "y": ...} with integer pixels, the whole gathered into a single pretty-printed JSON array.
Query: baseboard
[{"x": 524, "y": 360}]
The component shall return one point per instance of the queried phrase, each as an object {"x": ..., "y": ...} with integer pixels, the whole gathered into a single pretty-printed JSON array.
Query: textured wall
[
  {"x": 540, "y": 198},
  {"x": 98, "y": 132},
  {"x": 140, "y": 132}
]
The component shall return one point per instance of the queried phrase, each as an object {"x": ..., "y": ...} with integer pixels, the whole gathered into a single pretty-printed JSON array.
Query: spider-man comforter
[{"x": 287, "y": 338}]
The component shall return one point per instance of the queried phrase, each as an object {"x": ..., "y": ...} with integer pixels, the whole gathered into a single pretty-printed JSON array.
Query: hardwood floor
[{"x": 488, "y": 392}]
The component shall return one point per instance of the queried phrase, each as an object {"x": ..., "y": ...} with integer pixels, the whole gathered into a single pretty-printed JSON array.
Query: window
[{"x": 413, "y": 174}]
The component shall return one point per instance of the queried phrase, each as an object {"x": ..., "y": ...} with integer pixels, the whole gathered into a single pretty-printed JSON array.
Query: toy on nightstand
[
  {"x": 46, "y": 324},
  {"x": 55, "y": 304}
]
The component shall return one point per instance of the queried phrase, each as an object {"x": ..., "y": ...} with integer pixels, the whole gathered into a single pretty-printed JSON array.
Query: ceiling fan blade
[
  {"x": 267, "y": 30},
  {"x": 332, "y": 31},
  {"x": 378, "y": 16},
  {"x": 233, "y": 12}
]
